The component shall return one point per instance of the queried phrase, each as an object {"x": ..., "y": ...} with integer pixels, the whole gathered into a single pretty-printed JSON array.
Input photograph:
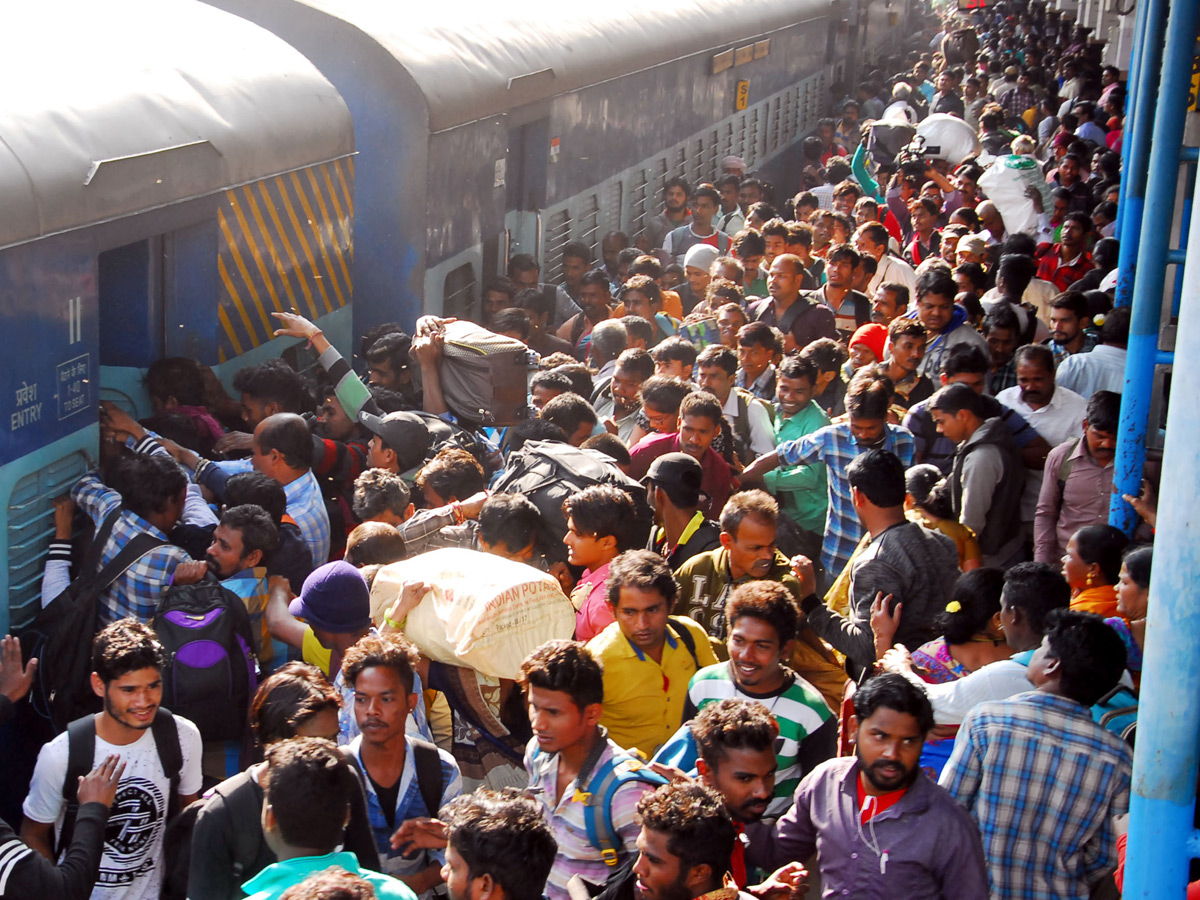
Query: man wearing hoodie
[
  {"x": 987, "y": 477},
  {"x": 945, "y": 322}
]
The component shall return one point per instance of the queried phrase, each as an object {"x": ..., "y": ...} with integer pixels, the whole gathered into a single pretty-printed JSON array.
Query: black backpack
[
  {"x": 548, "y": 473},
  {"x": 211, "y": 672},
  {"x": 61, "y": 634},
  {"x": 81, "y": 753}
]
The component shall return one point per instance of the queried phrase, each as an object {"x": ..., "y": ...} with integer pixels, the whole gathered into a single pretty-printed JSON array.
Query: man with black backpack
[
  {"x": 406, "y": 777},
  {"x": 162, "y": 766}
]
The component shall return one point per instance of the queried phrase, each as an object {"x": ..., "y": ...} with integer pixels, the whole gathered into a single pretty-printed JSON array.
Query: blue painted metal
[
  {"x": 1161, "y": 835},
  {"x": 1145, "y": 62},
  {"x": 1189, "y": 187},
  {"x": 1162, "y": 181}
]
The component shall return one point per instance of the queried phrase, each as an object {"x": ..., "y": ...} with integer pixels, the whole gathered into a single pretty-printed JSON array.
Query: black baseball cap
[
  {"x": 403, "y": 432},
  {"x": 679, "y": 475}
]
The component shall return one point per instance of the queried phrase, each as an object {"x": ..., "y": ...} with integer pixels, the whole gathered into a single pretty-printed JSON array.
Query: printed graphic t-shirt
[{"x": 131, "y": 866}]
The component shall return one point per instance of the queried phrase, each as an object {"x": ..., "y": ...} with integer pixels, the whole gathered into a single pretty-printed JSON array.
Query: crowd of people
[{"x": 878, "y": 640}]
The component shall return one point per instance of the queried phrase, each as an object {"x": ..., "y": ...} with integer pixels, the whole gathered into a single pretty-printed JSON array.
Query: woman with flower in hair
[{"x": 972, "y": 637}]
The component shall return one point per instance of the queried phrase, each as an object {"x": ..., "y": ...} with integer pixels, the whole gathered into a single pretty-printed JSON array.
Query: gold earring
[{"x": 1091, "y": 579}]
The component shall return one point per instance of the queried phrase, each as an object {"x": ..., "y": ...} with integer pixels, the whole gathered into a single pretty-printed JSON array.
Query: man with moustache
[
  {"x": 403, "y": 773},
  {"x": 241, "y": 542},
  {"x": 1077, "y": 491},
  {"x": 867, "y": 403},
  {"x": 879, "y": 825},
  {"x": 764, "y": 625}
]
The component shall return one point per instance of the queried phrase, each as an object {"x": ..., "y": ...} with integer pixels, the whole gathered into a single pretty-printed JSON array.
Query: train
[{"x": 175, "y": 170}]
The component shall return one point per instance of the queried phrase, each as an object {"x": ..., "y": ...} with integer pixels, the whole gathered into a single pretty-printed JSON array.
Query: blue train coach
[{"x": 170, "y": 172}]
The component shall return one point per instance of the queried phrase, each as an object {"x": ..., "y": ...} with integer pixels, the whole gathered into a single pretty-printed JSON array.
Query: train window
[
  {"x": 30, "y": 528},
  {"x": 640, "y": 202},
  {"x": 458, "y": 292},
  {"x": 614, "y": 205},
  {"x": 589, "y": 224},
  {"x": 558, "y": 233}
]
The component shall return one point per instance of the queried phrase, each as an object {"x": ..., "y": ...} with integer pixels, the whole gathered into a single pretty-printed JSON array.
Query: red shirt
[
  {"x": 878, "y": 803},
  {"x": 1063, "y": 274}
]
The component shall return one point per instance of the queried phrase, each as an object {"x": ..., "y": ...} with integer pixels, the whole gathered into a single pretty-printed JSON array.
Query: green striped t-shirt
[{"x": 807, "y": 727}]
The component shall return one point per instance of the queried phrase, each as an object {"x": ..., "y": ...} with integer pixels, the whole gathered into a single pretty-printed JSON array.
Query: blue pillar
[
  {"x": 1162, "y": 180},
  {"x": 1164, "y": 766},
  {"x": 1144, "y": 65}
]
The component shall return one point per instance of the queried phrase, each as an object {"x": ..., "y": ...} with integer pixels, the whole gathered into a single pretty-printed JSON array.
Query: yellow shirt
[
  {"x": 314, "y": 652},
  {"x": 643, "y": 700}
]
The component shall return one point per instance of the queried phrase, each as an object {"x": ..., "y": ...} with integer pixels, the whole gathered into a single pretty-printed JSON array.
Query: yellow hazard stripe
[
  {"x": 299, "y": 229},
  {"x": 331, "y": 229},
  {"x": 252, "y": 245},
  {"x": 269, "y": 204},
  {"x": 235, "y": 252}
]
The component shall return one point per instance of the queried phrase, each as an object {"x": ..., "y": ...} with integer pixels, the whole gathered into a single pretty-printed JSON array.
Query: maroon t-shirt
[{"x": 717, "y": 481}]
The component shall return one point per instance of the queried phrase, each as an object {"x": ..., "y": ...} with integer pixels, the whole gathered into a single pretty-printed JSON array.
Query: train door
[{"x": 527, "y": 165}]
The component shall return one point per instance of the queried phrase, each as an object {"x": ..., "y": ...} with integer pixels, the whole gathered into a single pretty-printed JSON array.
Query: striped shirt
[
  {"x": 138, "y": 590},
  {"x": 576, "y": 855},
  {"x": 807, "y": 727},
  {"x": 1043, "y": 781},
  {"x": 835, "y": 446}
]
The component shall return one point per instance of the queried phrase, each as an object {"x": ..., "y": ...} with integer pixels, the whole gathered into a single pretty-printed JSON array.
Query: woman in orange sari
[{"x": 1092, "y": 565}]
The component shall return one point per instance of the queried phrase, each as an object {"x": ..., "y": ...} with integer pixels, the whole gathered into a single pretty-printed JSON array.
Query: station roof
[{"x": 118, "y": 107}]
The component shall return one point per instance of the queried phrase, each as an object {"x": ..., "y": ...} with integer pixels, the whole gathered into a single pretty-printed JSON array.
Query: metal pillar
[
  {"x": 1144, "y": 64},
  {"x": 1161, "y": 835},
  {"x": 1162, "y": 181}
]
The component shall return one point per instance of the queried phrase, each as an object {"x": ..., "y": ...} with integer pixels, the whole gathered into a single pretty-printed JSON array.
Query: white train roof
[
  {"x": 121, "y": 106},
  {"x": 474, "y": 58}
]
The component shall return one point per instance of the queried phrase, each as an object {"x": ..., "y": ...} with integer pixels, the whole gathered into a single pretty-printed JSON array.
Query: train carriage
[
  {"x": 170, "y": 172},
  {"x": 488, "y": 129}
]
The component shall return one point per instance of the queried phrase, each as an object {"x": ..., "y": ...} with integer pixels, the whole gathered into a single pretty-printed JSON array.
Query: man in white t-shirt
[{"x": 127, "y": 662}]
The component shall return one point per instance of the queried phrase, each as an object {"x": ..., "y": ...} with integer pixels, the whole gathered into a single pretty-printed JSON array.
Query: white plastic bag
[
  {"x": 1006, "y": 182},
  {"x": 482, "y": 611}
]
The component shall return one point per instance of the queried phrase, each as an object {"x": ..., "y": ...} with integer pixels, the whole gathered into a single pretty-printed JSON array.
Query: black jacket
[{"x": 25, "y": 873}]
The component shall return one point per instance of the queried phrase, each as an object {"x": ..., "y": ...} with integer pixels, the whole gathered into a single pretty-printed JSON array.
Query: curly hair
[
  {"x": 502, "y": 834},
  {"x": 769, "y": 601},
  {"x": 565, "y": 666},
  {"x": 697, "y": 824},
  {"x": 733, "y": 725},
  {"x": 125, "y": 646},
  {"x": 393, "y": 651}
]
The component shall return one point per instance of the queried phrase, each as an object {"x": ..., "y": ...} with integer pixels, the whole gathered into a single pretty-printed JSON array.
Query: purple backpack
[{"x": 211, "y": 672}]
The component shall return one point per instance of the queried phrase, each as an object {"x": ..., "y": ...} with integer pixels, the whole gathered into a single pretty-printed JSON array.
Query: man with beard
[
  {"x": 160, "y": 753},
  {"x": 764, "y": 624},
  {"x": 867, "y": 401},
  {"x": 675, "y": 214},
  {"x": 500, "y": 847},
  {"x": 595, "y": 298},
  {"x": 1069, "y": 316},
  {"x": 404, "y": 774},
  {"x": 241, "y": 542},
  {"x": 879, "y": 825},
  {"x": 1080, "y": 484},
  {"x": 731, "y": 747},
  {"x": 619, "y": 402}
]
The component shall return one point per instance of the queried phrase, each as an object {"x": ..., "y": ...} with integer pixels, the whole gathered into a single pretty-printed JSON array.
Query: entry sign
[{"x": 743, "y": 95}]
